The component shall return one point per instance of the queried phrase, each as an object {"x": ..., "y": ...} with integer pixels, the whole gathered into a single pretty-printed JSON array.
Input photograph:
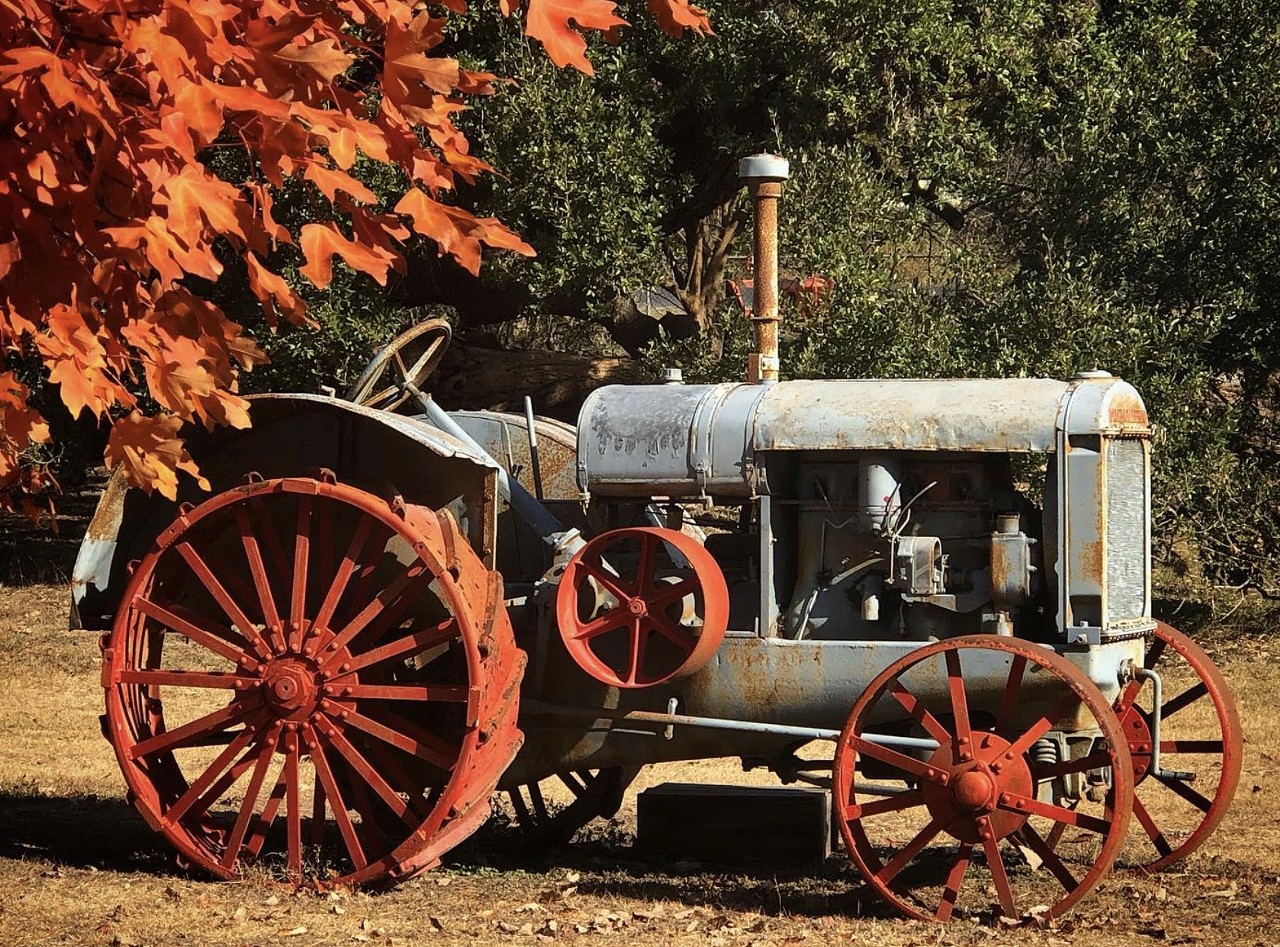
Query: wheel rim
[
  {"x": 649, "y": 630},
  {"x": 427, "y": 339},
  {"x": 351, "y": 657},
  {"x": 977, "y": 790},
  {"x": 1200, "y": 734}
]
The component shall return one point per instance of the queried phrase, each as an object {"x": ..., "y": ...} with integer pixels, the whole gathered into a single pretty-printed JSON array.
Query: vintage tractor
[{"x": 373, "y": 623}]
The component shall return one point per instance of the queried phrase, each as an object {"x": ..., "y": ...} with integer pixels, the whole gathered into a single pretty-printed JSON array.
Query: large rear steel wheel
[{"x": 310, "y": 678}]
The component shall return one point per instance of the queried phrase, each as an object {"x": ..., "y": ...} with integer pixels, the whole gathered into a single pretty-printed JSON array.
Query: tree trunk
[{"x": 477, "y": 376}]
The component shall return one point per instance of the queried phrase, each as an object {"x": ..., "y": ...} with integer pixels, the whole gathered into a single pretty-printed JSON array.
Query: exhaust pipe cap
[{"x": 764, "y": 167}]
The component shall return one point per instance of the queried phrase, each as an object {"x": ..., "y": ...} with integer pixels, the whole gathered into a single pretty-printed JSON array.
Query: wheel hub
[
  {"x": 967, "y": 800},
  {"x": 1138, "y": 734},
  {"x": 974, "y": 791},
  {"x": 637, "y": 607},
  {"x": 290, "y": 688}
]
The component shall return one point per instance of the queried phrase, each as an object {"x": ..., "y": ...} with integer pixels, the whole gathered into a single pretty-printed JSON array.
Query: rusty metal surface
[
  {"x": 291, "y": 435},
  {"x": 505, "y": 437},
  {"x": 1007, "y": 415},
  {"x": 683, "y": 440}
]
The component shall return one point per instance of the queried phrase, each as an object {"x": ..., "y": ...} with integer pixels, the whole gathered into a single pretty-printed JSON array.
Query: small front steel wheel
[
  {"x": 974, "y": 811},
  {"x": 1200, "y": 736}
]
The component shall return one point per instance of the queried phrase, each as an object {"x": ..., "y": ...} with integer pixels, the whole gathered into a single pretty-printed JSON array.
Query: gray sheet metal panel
[
  {"x": 687, "y": 440},
  {"x": 945, "y": 414},
  {"x": 667, "y": 440}
]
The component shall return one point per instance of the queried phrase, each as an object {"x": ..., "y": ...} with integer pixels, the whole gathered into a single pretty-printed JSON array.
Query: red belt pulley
[{"x": 642, "y": 605}]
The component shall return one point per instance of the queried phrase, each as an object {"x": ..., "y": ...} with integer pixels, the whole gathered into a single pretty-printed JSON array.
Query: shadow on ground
[
  {"x": 82, "y": 832},
  {"x": 611, "y": 867}
]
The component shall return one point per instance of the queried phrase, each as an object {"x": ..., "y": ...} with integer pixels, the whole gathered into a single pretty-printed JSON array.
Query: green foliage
[{"x": 1022, "y": 188}]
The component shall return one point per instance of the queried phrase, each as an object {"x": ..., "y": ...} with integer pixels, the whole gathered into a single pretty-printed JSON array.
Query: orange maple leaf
[
  {"x": 274, "y": 293},
  {"x": 324, "y": 58},
  {"x": 548, "y": 21},
  {"x": 321, "y": 242},
  {"x": 330, "y": 181},
  {"x": 150, "y": 453},
  {"x": 676, "y": 16},
  {"x": 457, "y": 232}
]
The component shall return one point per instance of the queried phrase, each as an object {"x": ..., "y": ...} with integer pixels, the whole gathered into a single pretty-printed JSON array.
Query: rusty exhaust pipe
[{"x": 763, "y": 175}]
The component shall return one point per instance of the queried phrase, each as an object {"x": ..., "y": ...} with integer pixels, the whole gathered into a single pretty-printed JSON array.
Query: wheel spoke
[
  {"x": 375, "y": 838},
  {"x": 1068, "y": 703},
  {"x": 667, "y": 594},
  {"x": 614, "y": 585},
  {"x": 1013, "y": 802},
  {"x": 398, "y": 778},
  {"x": 266, "y": 818},
  {"x": 187, "y": 627},
  {"x": 1183, "y": 700},
  {"x": 1155, "y": 652},
  {"x": 1149, "y": 826},
  {"x": 611, "y": 620},
  {"x": 406, "y": 647},
  {"x": 211, "y": 679},
  {"x": 317, "y": 814},
  {"x": 301, "y": 560},
  {"x": 999, "y": 878},
  {"x": 1180, "y": 788},
  {"x": 423, "y": 745},
  {"x": 959, "y": 703},
  {"x": 365, "y": 771},
  {"x": 1012, "y": 688},
  {"x": 572, "y": 782},
  {"x": 447, "y": 693},
  {"x": 639, "y": 638},
  {"x": 345, "y": 827},
  {"x": 389, "y": 602},
  {"x": 682, "y": 640},
  {"x": 912, "y": 705},
  {"x": 351, "y": 561},
  {"x": 1037, "y": 844},
  {"x": 646, "y": 566},
  {"x": 539, "y": 804},
  {"x": 182, "y": 736},
  {"x": 258, "y": 570},
  {"x": 211, "y": 773},
  {"x": 908, "y": 764},
  {"x": 262, "y": 763},
  {"x": 293, "y": 815},
  {"x": 913, "y": 848},
  {"x": 896, "y": 803},
  {"x": 228, "y": 605},
  {"x": 955, "y": 878}
]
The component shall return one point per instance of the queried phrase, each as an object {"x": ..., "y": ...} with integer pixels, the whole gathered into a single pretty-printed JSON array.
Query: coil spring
[{"x": 1044, "y": 751}]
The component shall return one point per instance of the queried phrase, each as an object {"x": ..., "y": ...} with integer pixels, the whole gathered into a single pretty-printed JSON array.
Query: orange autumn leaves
[{"x": 107, "y": 110}]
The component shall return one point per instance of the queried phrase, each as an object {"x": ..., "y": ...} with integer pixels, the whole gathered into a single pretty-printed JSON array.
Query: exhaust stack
[{"x": 763, "y": 175}]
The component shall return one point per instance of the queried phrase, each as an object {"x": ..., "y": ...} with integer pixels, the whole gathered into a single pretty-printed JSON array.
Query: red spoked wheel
[
  {"x": 304, "y": 676},
  {"x": 1200, "y": 736},
  {"x": 973, "y": 806},
  {"x": 642, "y": 605}
]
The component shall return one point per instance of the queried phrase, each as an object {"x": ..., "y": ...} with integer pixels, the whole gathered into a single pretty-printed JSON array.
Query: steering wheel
[{"x": 414, "y": 354}]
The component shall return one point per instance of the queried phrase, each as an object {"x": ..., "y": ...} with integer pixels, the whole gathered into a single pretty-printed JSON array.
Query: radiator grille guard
[{"x": 1126, "y": 546}]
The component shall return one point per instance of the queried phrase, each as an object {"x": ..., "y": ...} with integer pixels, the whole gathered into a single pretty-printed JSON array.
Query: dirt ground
[{"x": 78, "y": 866}]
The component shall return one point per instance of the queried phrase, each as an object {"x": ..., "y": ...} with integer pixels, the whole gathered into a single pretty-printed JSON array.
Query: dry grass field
[{"x": 78, "y": 866}]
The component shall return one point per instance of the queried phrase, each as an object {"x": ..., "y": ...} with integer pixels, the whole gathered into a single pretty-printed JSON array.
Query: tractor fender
[{"x": 291, "y": 435}]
